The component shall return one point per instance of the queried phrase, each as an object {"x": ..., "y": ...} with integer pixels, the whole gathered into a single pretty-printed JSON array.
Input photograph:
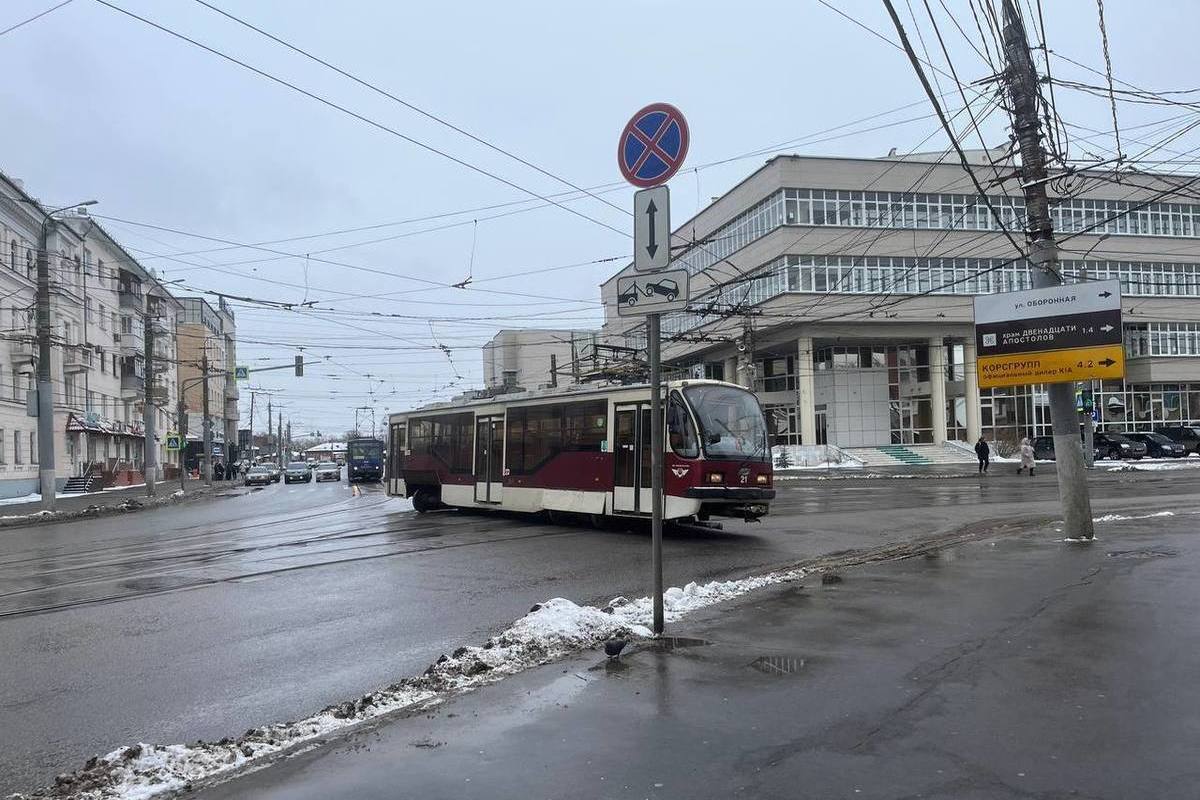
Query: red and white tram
[{"x": 586, "y": 450}]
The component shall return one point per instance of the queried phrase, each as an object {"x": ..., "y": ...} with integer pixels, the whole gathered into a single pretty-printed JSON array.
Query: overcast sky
[{"x": 165, "y": 134}]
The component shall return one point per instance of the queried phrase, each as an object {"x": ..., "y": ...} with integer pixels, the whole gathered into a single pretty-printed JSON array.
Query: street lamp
[{"x": 45, "y": 388}]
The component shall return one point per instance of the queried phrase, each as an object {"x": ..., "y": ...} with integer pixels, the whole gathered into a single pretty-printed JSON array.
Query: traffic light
[
  {"x": 299, "y": 366},
  {"x": 1084, "y": 400}
]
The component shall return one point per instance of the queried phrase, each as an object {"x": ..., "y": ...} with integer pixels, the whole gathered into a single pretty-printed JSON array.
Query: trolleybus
[{"x": 586, "y": 450}]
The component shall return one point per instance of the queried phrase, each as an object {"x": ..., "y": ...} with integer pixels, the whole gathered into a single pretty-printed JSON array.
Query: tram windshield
[{"x": 731, "y": 421}]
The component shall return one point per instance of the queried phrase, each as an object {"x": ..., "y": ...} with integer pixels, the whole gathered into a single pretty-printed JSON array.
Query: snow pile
[
  {"x": 1123, "y": 517},
  {"x": 1155, "y": 466},
  {"x": 551, "y": 630}
]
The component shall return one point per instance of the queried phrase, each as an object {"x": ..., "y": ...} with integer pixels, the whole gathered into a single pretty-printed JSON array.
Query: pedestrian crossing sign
[{"x": 174, "y": 441}]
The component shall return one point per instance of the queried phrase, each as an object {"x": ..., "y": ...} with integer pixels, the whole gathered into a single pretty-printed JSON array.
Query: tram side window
[
  {"x": 585, "y": 426},
  {"x": 538, "y": 433},
  {"x": 680, "y": 432},
  {"x": 396, "y": 449},
  {"x": 543, "y": 435},
  {"x": 420, "y": 436},
  {"x": 451, "y": 441}
]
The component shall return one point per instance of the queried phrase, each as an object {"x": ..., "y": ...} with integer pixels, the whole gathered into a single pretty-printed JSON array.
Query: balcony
[
  {"x": 77, "y": 359},
  {"x": 128, "y": 344},
  {"x": 131, "y": 301},
  {"x": 22, "y": 350}
]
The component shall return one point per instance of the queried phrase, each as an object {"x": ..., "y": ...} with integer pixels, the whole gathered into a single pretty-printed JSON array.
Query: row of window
[
  {"x": 970, "y": 212},
  {"x": 24, "y": 445},
  {"x": 897, "y": 275},
  {"x": 1162, "y": 339},
  {"x": 533, "y": 435},
  {"x": 917, "y": 210}
]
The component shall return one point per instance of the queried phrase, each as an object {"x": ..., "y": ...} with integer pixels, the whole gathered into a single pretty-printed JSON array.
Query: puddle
[
  {"x": 668, "y": 643},
  {"x": 779, "y": 665},
  {"x": 1141, "y": 554}
]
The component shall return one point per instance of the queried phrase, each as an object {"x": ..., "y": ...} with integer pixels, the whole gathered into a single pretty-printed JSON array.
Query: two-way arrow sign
[{"x": 652, "y": 229}]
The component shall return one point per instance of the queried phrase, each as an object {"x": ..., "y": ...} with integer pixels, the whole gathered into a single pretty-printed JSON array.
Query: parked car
[
  {"x": 258, "y": 476},
  {"x": 297, "y": 472},
  {"x": 1185, "y": 435},
  {"x": 1159, "y": 446},
  {"x": 328, "y": 471},
  {"x": 1115, "y": 445},
  {"x": 276, "y": 473},
  {"x": 1043, "y": 448}
]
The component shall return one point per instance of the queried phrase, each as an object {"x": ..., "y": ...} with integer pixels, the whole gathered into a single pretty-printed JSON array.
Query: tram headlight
[
  {"x": 716, "y": 477},
  {"x": 762, "y": 479}
]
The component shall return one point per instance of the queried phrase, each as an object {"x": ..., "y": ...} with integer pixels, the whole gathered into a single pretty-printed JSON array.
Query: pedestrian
[
  {"x": 1026, "y": 457},
  {"x": 982, "y": 453}
]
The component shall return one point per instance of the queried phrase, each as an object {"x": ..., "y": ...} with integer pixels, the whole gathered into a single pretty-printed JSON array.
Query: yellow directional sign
[
  {"x": 1057, "y": 334},
  {"x": 1052, "y": 366}
]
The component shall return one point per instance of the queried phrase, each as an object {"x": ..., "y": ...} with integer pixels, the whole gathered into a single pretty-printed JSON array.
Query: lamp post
[{"x": 45, "y": 386}]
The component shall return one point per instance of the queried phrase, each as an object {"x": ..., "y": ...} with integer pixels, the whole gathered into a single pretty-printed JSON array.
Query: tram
[{"x": 585, "y": 450}]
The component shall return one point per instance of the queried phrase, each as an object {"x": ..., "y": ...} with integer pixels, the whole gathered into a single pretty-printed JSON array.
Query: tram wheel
[{"x": 423, "y": 500}]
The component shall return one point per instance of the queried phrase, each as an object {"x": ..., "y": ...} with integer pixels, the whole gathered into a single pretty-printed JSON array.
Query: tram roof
[{"x": 574, "y": 391}]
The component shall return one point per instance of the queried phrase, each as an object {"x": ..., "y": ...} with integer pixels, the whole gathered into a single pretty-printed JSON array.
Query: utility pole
[
  {"x": 45, "y": 386},
  {"x": 251, "y": 426},
  {"x": 150, "y": 449},
  {"x": 1021, "y": 77},
  {"x": 207, "y": 426},
  {"x": 553, "y": 370},
  {"x": 289, "y": 440},
  {"x": 745, "y": 355},
  {"x": 280, "y": 439},
  {"x": 269, "y": 420},
  {"x": 182, "y": 426}
]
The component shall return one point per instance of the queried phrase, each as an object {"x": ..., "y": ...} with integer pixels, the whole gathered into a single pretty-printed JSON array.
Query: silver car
[{"x": 327, "y": 471}]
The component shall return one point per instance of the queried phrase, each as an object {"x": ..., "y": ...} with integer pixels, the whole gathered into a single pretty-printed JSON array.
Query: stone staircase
[
  {"x": 912, "y": 455},
  {"x": 81, "y": 484}
]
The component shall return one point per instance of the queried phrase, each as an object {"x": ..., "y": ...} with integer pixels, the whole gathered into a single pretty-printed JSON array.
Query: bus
[
  {"x": 364, "y": 460},
  {"x": 585, "y": 451}
]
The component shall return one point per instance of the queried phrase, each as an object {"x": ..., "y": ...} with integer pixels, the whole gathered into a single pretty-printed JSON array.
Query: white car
[{"x": 327, "y": 471}]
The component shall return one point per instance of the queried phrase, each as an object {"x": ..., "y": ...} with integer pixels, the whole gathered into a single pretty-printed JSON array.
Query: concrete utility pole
[
  {"x": 207, "y": 426},
  {"x": 150, "y": 449},
  {"x": 279, "y": 448},
  {"x": 250, "y": 452},
  {"x": 45, "y": 386},
  {"x": 269, "y": 420},
  {"x": 182, "y": 427},
  {"x": 1021, "y": 77}
]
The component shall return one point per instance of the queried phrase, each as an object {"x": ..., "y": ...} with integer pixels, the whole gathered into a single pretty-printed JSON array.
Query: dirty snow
[
  {"x": 1148, "y": 465},
  {"x": 551, "y": 630},
  {"x": 1123, "y": 517}
]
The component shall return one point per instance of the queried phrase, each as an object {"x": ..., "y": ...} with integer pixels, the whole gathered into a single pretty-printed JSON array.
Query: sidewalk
[
  {"x": 71, "y": 505},
  {"x": 1012, "y": 668}
]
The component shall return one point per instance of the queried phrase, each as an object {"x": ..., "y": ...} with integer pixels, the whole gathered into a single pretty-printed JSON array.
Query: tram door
[
  {"x": 489, "y": 458},
  {"x": 631, "y": 484}
]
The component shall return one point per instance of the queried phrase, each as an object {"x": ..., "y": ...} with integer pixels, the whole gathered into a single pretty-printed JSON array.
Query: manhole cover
[
  {"x": 1141, "y": 554},
  {"x": 778, "y": 665}
]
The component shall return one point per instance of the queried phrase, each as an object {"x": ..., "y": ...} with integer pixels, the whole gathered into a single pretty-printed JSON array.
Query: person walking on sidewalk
[
  {"x": 1027, "y": 461},
  {"x": 982, "y": 452}
]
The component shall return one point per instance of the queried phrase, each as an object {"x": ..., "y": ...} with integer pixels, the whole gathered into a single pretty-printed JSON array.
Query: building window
[
  {"x": 33, "y": 450},
  {"x": 17, "y": 459}
]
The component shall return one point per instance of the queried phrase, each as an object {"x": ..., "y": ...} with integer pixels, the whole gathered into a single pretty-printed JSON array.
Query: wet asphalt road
[
  {"x": 202, "y": 620},
  {"x": 1022, "y": 668}
]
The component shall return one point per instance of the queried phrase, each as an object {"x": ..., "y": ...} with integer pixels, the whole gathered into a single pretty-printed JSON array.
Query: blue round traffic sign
[{"x": 653, "y": 145}]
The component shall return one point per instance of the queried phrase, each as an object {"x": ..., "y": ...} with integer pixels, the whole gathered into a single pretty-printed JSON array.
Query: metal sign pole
[{"x": 656, "y": 467}]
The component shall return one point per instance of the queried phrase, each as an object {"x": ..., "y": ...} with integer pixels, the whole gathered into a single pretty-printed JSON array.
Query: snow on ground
[
  {"x": 551, "y": 630},
  {"x": 1156, "y": 464},
  {"x": 1123, "y": 517}
]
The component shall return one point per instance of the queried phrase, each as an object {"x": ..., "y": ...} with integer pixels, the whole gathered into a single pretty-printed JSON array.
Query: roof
[
  {"x": 326, "y": 447},
  {"x": 573, "y": 392}
]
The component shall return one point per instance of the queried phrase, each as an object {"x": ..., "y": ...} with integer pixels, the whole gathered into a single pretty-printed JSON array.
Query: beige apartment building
[{"x": 208, "y": 331}]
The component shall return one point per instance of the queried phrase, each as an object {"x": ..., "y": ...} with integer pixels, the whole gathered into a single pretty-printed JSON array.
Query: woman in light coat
[{"x": 1027, "y": 461}]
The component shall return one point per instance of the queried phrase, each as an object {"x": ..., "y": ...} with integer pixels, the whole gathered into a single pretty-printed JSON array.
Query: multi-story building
[
  {"x": 208, "y": 333},
  {"x": 99, "y": 298},
  {"x": 841, "y": 290},
  {"x": 532, "y": 358}
]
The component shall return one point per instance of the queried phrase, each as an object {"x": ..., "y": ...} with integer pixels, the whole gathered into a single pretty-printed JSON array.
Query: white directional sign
[
  {"x": 1058, "y": 334},
  {"x": 639, "y": 295},
  {"x": 652, "y": 229}
]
